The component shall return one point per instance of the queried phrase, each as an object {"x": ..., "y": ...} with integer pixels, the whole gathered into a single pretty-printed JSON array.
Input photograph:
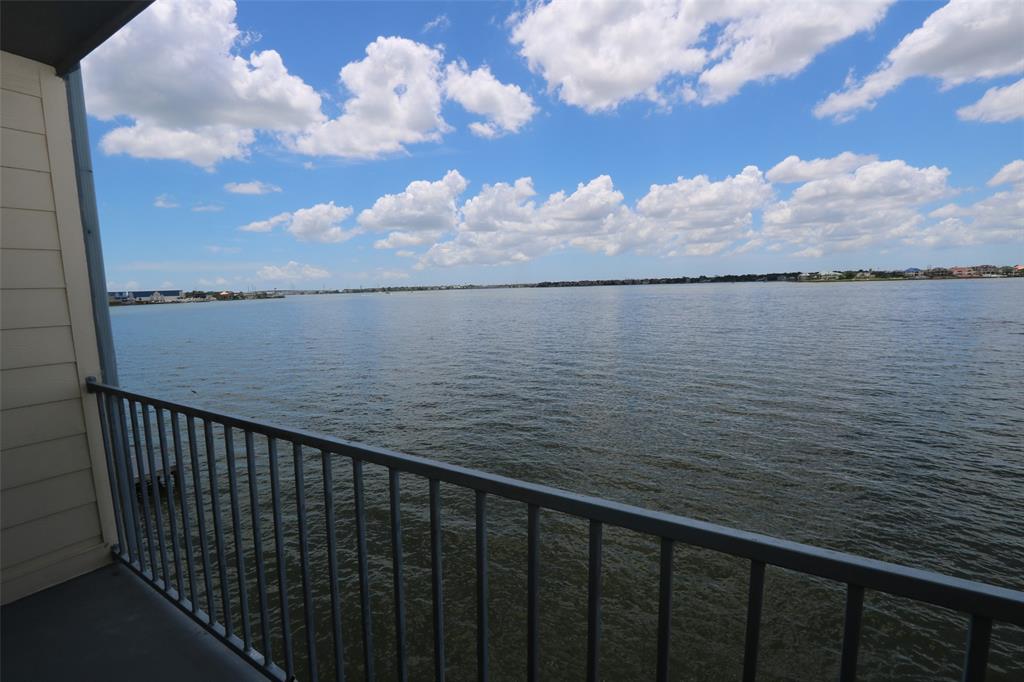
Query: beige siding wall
[{"x": 55, "y": 515}]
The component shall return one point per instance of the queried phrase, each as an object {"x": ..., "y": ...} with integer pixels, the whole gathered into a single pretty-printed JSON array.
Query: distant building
[
  {"x": 154, "y": 296},
  {"x": 961, "y": 271},
  {"x": 913, "y": 272}
]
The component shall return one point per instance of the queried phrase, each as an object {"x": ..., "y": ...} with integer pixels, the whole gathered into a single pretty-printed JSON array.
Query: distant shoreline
[
  {"x": 790, "y": 277},
  {"x": 983, "y": 272}
]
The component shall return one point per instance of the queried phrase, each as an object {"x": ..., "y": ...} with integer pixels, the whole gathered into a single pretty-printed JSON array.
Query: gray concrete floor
[{"x": 109, "y": 625}]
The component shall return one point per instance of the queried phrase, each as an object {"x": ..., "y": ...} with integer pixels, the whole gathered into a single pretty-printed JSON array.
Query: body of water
[{"x": 879, "y": 418}]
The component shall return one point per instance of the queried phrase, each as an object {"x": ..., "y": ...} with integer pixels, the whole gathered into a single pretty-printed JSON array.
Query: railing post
[
  {"x": 533, "y": 593},
  {"x": 218, "y": 526},
  {"x": 754, "y": 601},
  {"x": 979, "y": 633},
  {"x": 154, "y": 482},
  {"x": 137, "y": 441},
  {"x": 282, "y": 573},
  {"x": 482, "y": 590},
  {"x": 172, "y": 520},
  {"x": 204, "y": 545},
  {"x": 664, "y": 610},
  {"x": 437, "y": 579},
  {"x": 307, "y": 584},
  {"x": 257, "y": 541},
  {"x": 851, "y": 632},
  {"x": 364, "y": 569},
  {"x": 186, "y": 522},
  {"x": 397, "y": 560},
  {"x": 594, "y": 603},
  {"x": 111, "y": 475},
  {"x": 332, "y": 567}
]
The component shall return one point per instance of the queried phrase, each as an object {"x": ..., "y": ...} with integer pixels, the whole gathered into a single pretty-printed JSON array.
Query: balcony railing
[{"x": 158, "y": 483}]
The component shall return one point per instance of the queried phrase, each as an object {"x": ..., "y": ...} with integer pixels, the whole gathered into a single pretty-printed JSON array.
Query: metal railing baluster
[
  {"x": 154, "y": 482},
  {"x": 979, "y": 635},
  {"x": 755, "y": 599},
  {"x": 664, "y": 610},
  {"x": 140, "y": 466},
  {"x": 307, "y": 583},
  {"x": 204, "y": 545},
  {"x": 851, "y": 632},
  {"x": 128, "y": 482},
  {"x": 533, "y": 593},
  {"x": 483, "y": 635},
  {"x": 115, "y": 419},
  {"x": 186, "y": 520},
  {"x": 397, "y": 573},
  {"x": 594, "y": 602},
  {"x": 282, "y": 573},
  {"x": 218, "y": 526},
  {"x": 437, "y": 579},
  {"x": 257, "y": 542},
  {"x": 236, "y": 527},
  {"x": 332, "y": 567},
  {"x": 112, "y": 476},
  {"x": 364, "y": 569},
  {"x": 172, "y": 520}
]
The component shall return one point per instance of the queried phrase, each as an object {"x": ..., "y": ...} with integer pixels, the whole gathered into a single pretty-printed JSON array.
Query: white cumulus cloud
[
  {"x": 418, "y": 215},
  {"x": 253, "y": 187},
  {"x": 174, "y": 72},
  {"x": 165, "y": 201},
  {"x": 268, "y": 224},
  {"x": 395, "y": 101},
  {"x": 318, "y": 223},
  {"x": 960, "y": 42},
  {"x": 877, "y": 202},
  {"x": 291, "y": 271},
  {"x": 1010, "y": 174},
  {"x": 997, "y": 105},
  {"x": 600, "y": 53},
  {"x": 506, "y": 107},
  {"x": 795, "y": 169},
  {"x": 504, "y": 223}
]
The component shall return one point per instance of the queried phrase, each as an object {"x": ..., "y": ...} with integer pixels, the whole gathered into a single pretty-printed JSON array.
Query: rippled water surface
[{"x": 878, "y": 418}]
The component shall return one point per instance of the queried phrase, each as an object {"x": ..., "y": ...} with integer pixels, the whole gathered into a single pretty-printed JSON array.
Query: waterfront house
[{"x": 100, "y": 577}]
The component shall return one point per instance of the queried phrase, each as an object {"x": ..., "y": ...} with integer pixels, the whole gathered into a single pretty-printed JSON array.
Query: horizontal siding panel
[
  {"x": 34, "y": 347},
  {"x": 26, "y": 189},
  {"x": 66, "y": 563},
  {"x": 30, "y": 269},
  {"x": 20, "y": 74},
  {"x": 36, "y": 500},
  {"x": 25, "y": 229},
  {"x": 32, "y": 463},
  {"x": 27, "y": 425},
  {"x": 46, "y": 535},
  {"x": 37, "y": 385},
  {"x": 19, "y": 149},
  {"x": 33, "y": 308},
  {"x": 22, "y": 112}
]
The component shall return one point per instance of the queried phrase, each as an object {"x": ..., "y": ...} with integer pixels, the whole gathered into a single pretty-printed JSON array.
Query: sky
[{"x": 265, "y": 145}]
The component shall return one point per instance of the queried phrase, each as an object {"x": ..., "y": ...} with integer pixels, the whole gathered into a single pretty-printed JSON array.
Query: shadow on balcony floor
[{"x": 109, "y": 625}]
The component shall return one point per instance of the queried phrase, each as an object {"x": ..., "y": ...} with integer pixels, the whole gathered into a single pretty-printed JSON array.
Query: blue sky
[{"x": 438, "y": 154}]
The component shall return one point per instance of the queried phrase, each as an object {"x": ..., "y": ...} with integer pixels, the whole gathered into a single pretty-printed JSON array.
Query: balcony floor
[{"x": 109, "y": 625}]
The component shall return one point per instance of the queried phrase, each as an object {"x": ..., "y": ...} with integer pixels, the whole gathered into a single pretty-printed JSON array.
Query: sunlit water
[{"x": 883, "y": 419}]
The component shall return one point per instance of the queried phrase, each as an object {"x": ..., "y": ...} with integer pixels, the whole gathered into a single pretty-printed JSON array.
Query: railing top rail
[{"x": 968, "y": 596}]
